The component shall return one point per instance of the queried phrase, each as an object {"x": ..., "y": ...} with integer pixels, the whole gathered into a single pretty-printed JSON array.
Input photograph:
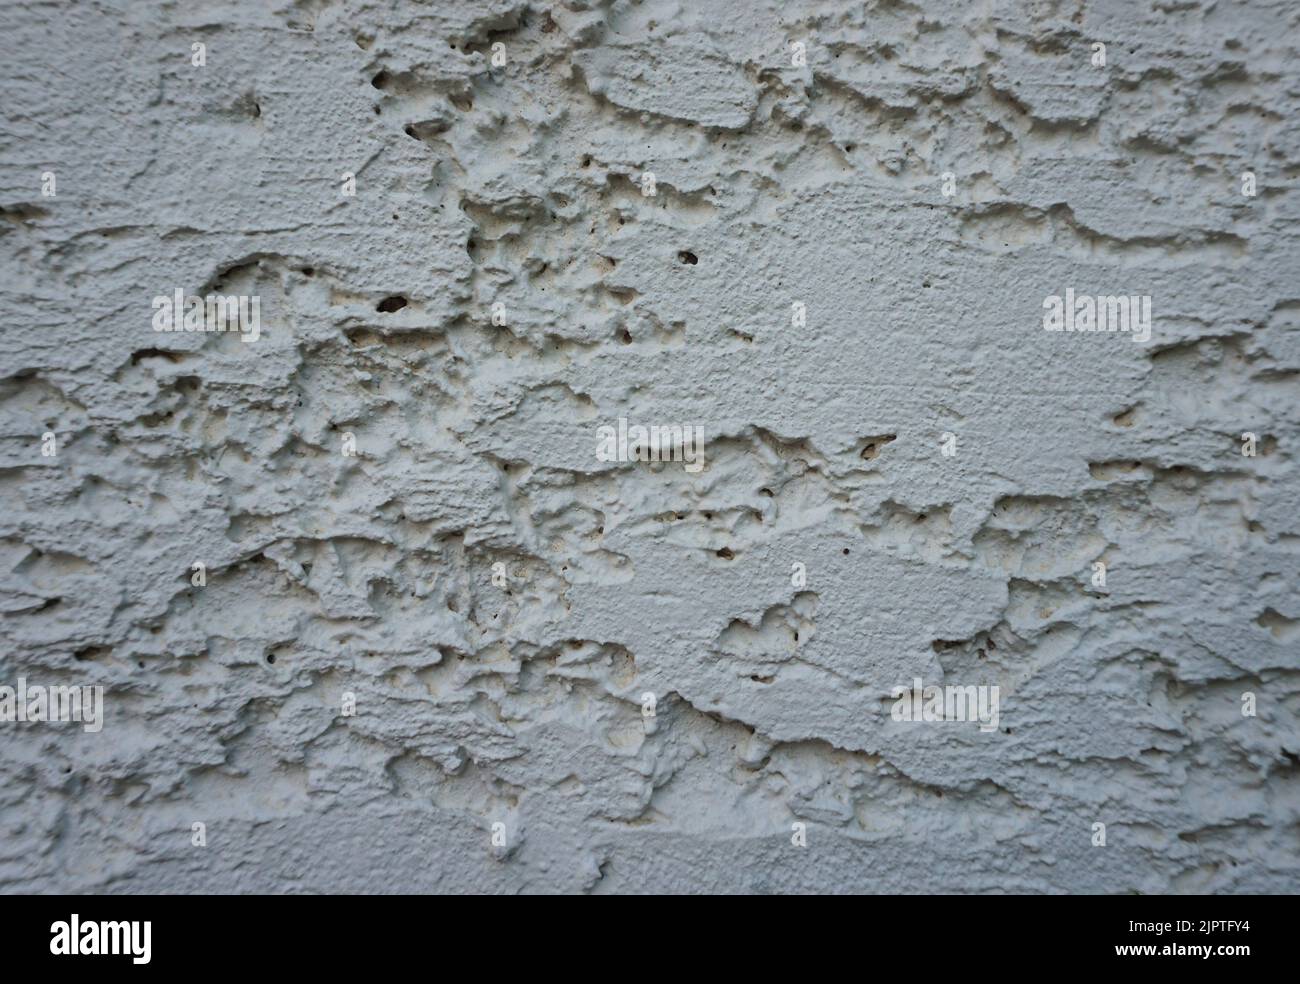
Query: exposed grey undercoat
[{"x": 774, "y": 185}]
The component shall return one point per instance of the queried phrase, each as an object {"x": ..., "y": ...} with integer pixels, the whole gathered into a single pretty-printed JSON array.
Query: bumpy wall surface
[{"x": 379, "y": 600}]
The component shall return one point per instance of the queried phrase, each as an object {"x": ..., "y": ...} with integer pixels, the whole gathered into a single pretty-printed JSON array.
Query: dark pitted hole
[
  {"x": 686, "y": 256},
  {"x": 390, "y": 304},
  {"x": 873, "y": 446},
  {"x": 380, "y": 80},
  {"x": 726, "y": 554},
  {"x": 139, "y": 355}
]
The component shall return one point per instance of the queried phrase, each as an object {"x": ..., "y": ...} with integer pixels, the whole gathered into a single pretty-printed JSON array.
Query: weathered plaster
[{"x": 774, "y": 184}]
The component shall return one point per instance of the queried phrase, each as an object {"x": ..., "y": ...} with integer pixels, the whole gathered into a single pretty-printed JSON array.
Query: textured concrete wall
[{"x": 825, "y": 234}]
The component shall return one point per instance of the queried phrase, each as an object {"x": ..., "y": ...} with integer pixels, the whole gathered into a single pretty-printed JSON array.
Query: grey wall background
[{"x": 818, "y": 184}]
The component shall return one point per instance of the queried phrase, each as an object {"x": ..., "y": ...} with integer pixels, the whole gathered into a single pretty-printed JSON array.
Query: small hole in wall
[
  {"x": 625, "y": 337},
  {"x": 872, "y": 447},
  {"x": 308, "y": 271},
  {"x": 845, "y": 551},
  {"x": 270, "y": 658},
  {"x": 390, "y": 304},
  {"x": 726, "y": 554},
  {"x": 686, "y": 256},
  {"x": 586, "y": 160},
  {"x": 380, "y": 80}
]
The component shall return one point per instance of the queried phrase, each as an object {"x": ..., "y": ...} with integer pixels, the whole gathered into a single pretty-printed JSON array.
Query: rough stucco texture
[{"x": 525, "y": 185}]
